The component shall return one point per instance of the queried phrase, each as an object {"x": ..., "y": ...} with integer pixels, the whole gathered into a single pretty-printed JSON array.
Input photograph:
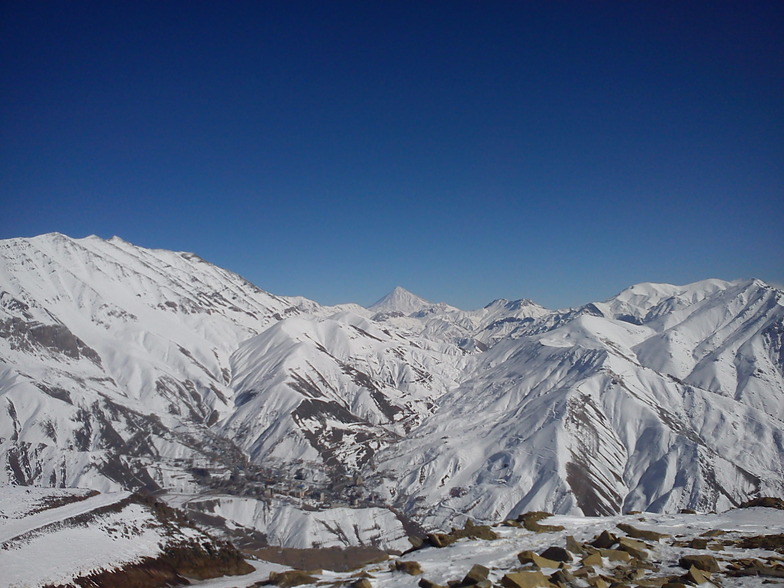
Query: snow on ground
[
  {"x": 454, "y": 561},
  {"x": 69, "y": 552},
  {"x": 21, "y": 501},
  {"x": 288, "y": 525}
]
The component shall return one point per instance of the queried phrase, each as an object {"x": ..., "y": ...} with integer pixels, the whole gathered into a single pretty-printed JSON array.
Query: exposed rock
[
  {"x": 595, "y": 559},
  {"x": 412, "y": 568},
  {"x": 615, "y": 555},
  {"x": 530, "y": 521},
  {"x": 605, "y": 540},
  {"x": 697, "y": 576},
  {"x": 361, "y": 583},
  {"x": 563, "y": 577},
  {"x": 640, "y": 533},
  {"x": 765, "y": 501},
  {"x": 706, "y": 563},
  {"x": 475, "y": 575},
  {"x": 769, "y": 542},
  {"x": 574, "y": 546},
  {"x": 698, "y": 543},
  {"x": 291, "y": 578},
  {"x": 531, "y": 557},
  {"x": 423, "y": 583},
  {"x": 470, "y": 531},
  {"x": 633, "y": 547},
  {"x": 597, "y": 582},
  {"x": 525, "y": 580},
  {"x": 557, "y": 554},
  {"x": 754, "y": 567}
]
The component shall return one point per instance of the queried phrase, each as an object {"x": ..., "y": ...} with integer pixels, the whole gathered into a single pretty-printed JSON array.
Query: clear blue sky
[{"x": 465, "y": 150}]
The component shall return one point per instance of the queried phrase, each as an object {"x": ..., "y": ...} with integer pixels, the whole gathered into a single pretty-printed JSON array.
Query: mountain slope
[
  {"x": 110, "y": 354},
  {"x": 123, "y": 368},
  {"x": 584, "y": 417}
]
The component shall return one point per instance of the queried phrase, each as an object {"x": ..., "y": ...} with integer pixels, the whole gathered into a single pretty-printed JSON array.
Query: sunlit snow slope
[{"x": 123, "y": 367}]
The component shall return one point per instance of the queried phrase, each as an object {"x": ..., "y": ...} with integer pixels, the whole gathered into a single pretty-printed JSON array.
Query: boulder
[
  {"x": 557, "y": 554},
  {"x": 423, "y": 583},
  {"x": 530, "y": 520},
  {"x": 697, "y": 576},
  {"x": 525, "y": 580},
  {"x": 475, "y": 575},
  {"x": 412, "y": 568},
  {"x": 615, "y": 555},
  {"x": 574, "y": 546},
  {"x": 531, "y": 557},
  {"x": 291, "y": 578},
  {"x": 765, "y": 501},
  {"x": 563, "y": 577},
  {"x": 594, "y": 560},
  {"x": 604, "y": 540},
  {"x": 633, "y": 547},
  {"x": 641, "y": 533},
  {"x": 705, "y": 563}
]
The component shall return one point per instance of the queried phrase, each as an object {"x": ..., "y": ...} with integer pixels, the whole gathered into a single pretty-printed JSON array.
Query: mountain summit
[{"x": 400, "y": 300}]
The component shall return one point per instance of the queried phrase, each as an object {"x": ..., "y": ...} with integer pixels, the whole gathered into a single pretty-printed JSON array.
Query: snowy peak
[{"x": 402, "y": 301}]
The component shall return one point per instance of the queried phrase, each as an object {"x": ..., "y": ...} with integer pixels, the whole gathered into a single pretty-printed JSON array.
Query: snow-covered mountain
[
  {"x": 600, "y": 415},
  {"x": 400, "y": 301},
  {"x": 123, "y": 367}
]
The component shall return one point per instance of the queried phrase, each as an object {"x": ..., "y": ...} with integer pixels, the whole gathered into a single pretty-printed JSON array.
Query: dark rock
[
  {"x": 423, "y": 583},
  {"x": 769, "y": 542},
  {"x": 604, "y": 540},
  {"x": 557, "y": 554},
  {"x": 531, "y": 557},
  {"x": 698, "y": 543}
]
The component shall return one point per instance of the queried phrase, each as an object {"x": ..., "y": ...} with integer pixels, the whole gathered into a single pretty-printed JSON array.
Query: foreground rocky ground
[
  {"x": 742, "y": 547},
  {"x": 82, "y": 538}
]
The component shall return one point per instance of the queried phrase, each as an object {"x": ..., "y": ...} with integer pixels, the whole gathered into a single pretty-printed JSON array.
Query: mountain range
[{"x": 124, "y": 368}]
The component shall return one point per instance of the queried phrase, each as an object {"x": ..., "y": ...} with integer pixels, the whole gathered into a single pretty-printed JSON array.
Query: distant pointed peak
[{"x": 400, "y": 300}]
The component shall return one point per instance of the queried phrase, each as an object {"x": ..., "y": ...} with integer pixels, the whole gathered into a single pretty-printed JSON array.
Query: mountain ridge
[{"x": 125, "y": 368}]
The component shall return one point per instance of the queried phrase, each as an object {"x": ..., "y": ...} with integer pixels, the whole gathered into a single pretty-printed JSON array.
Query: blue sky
[{"x": 465, "y": 150}]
